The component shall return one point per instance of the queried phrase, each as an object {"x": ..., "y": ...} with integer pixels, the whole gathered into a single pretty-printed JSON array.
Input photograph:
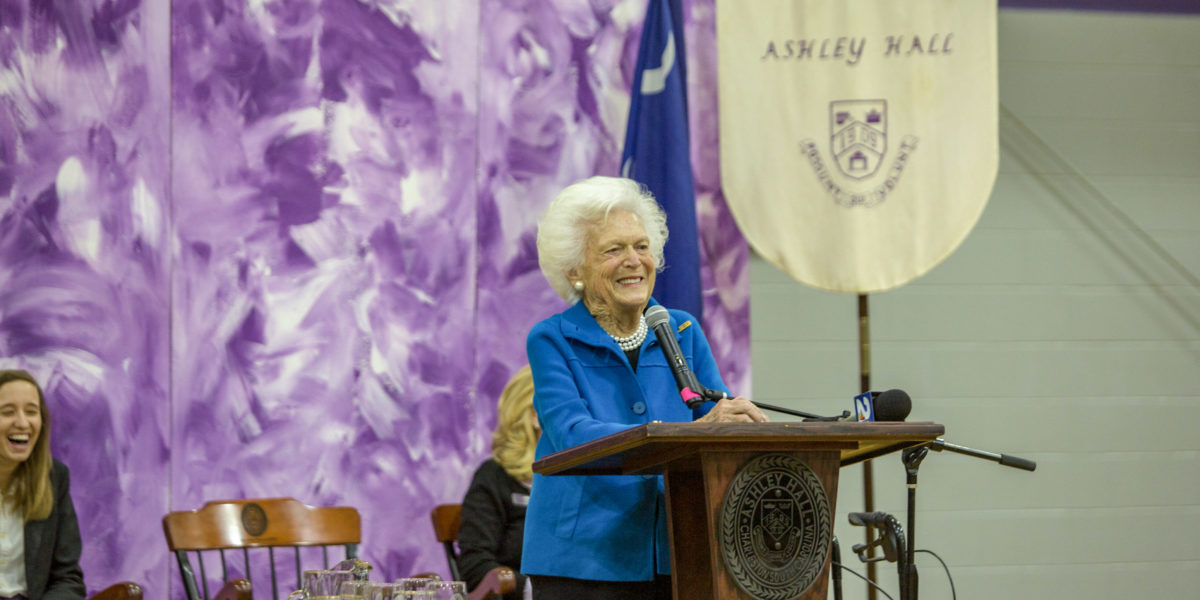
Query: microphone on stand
[
  {"x": 690, "y": 390},
  {"x": 894, "y": 405},
  {"x": 890, "y": 405}
]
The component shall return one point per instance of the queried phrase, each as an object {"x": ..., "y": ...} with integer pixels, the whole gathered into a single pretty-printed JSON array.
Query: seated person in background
[
  {"x": 39, "y": 534},
  {"x": 493, "y": 511}
]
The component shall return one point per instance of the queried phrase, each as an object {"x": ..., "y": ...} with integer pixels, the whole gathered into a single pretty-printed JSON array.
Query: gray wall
[{"x": 1065, "y": 329}]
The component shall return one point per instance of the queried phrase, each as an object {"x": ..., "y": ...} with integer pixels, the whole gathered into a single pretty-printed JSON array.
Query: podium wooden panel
[{"x": 700, "y": 460}]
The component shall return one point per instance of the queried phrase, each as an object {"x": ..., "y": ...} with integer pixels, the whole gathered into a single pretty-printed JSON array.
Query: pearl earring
[{"x": 579, "y": 286}]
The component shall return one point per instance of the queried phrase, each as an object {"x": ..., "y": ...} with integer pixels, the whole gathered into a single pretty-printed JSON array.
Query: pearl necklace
[{"x": 634, "y": 341}]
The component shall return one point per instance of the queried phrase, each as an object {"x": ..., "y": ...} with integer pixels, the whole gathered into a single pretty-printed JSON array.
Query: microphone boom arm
[
  {"x": 718, "y": 395},
  {"x": 1007, "y": 460},
  {"x": 799, "y": 413}
]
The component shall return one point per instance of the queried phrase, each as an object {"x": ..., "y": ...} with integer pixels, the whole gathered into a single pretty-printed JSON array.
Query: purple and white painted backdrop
[{"x": 286, "y": 248}]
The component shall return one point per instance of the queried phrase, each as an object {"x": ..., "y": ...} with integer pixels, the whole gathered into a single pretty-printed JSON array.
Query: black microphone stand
[
  {"x": 912, "y": 457},
  {"x": 836, "y": 567}
]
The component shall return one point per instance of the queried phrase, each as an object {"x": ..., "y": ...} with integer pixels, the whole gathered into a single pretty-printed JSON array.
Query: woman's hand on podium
[{"x": 734, "y": 410}]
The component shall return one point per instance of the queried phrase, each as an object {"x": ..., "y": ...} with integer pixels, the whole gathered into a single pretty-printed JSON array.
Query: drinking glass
[
  {"x": 447, "y": 590},
  {"x": 414, "y": 583},
  {"x": 375, "y": 590},
  {"x": 321, "y": 585},
  {"x": 352, "y": 590},
  {"x": 413, "y": 595}
]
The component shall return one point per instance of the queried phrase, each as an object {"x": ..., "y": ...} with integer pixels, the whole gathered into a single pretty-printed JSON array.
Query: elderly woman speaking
[{"x": 597, "y": 370}]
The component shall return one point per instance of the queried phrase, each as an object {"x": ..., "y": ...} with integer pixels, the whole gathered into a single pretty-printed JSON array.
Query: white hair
[{"x": 562, "y": 236}]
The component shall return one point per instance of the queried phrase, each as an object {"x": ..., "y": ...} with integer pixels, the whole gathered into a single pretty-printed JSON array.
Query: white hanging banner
[{"x": 858, "y": 137}]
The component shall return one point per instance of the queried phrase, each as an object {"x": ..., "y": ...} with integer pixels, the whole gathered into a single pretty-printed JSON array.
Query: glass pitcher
[{"x": 361, "y": 568}]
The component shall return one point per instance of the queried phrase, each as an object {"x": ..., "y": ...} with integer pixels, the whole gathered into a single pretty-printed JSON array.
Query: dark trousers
[{"x": 566, "y": 588}]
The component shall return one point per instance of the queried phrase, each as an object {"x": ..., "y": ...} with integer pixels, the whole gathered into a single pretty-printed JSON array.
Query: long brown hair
[
  {"x": 29, "y": 488},
  {"x": 516, "y": 435}
]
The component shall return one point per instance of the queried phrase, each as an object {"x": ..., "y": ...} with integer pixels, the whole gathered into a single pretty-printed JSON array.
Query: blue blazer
[{"x": 609, "y": 527}]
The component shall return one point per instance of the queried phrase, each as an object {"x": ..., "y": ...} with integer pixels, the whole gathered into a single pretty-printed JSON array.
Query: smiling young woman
[{"x": 39, "y": 533}]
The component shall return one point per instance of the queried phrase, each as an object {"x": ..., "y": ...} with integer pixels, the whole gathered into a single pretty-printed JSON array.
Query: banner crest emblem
[{"x": 858, "y": 136}]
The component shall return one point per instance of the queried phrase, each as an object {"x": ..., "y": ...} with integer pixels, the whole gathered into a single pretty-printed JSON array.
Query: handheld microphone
[
  {"x": 690, "y": 390},
  {"x": 891, "y": 405}
]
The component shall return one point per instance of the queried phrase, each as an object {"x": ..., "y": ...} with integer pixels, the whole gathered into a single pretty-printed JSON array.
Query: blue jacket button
[{"x": 639, "y": 408}]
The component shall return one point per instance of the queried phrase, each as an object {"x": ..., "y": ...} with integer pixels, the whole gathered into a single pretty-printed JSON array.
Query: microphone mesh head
[
  {"x": 656, "y": 315},
  {"x": 892, "y": 405}
]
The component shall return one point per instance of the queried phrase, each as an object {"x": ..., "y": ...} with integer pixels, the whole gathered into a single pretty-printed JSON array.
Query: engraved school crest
[{"x": 775, "y": 527}]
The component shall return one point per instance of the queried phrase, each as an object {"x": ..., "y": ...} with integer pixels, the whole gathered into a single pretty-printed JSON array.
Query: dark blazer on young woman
[{"x": 52, "y": 546}]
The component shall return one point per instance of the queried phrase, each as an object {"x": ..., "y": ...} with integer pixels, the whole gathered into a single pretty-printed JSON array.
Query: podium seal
[{"x": 775, "y": 527}]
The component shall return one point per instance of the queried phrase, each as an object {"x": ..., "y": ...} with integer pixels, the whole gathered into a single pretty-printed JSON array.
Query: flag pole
[
  {"x": 864, "y": 375},
  {"x": 657, "y": 151}
]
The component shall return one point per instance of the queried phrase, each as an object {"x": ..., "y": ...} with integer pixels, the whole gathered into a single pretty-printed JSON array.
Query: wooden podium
[{"x": 743, "y": 497}]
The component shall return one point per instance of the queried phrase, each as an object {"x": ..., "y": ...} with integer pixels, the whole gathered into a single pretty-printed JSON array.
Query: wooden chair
[
  {"x": 126, "y": 590},
  {"x": 446, "y": 520},
  {"x": 238, "y": 532}
]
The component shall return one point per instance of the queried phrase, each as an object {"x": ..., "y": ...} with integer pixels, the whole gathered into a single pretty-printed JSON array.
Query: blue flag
[{"x": 657, "y": 150}]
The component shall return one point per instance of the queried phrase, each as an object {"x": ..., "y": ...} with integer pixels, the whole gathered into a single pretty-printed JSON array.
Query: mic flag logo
[
  {"x": 657, "y": 153},
  {"x": 858, "y": 135},
  {"x": 863, "y": 407}
]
